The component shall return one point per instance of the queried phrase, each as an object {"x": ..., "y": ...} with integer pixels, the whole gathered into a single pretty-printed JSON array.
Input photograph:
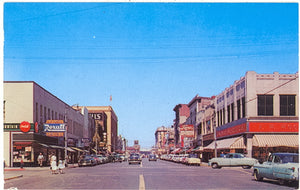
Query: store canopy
[
  {"x": 198, "y": 149},
  {"x": 56, "y": 147},
  {"x": 275, "y": 140},
  {"x": 70, "y": 149},
  {"x": 44, "y": 145},
  {"x": 78, "y": 149},
  {"x": 231, "y": 143}
]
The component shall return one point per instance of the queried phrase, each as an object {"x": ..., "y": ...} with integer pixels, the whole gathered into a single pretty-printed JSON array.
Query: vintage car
[
  {"x": 279, "y": 166},
  {"x": 152, "y": 157},
  {"x": 134, "y": 159},
  {"x": 232, "y": 160},
  {"x": 192, "y": 159},
  {"x": 87, "y": 160}
]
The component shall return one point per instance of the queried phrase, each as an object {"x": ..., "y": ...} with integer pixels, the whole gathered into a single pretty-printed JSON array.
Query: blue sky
[{"x": 148, "y": 56}]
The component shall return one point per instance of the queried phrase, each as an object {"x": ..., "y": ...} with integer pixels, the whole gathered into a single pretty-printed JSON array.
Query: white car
[{"x": 232, "y": 160}]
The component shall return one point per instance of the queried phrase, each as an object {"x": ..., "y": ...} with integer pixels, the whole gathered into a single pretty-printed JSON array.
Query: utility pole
[{"x": 66, "y": 136}]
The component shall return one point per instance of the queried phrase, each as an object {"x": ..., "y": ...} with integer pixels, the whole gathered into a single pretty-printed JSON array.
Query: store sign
[
  {"x": 234, "y": 130},
  {"x": 55, "y": 134},
  {"x": 96, "y": 116},
  {"x": 25, "y": 126},
  {"x": 274, "y": 127},
  {"x": 54, "y": 127}
]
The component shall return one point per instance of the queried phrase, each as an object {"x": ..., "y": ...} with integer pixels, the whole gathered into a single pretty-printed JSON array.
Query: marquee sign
[{"x": 54, "y": 128}]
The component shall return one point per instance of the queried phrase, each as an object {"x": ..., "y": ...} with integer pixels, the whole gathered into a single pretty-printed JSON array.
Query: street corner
[{"x": 12, "y": 177}]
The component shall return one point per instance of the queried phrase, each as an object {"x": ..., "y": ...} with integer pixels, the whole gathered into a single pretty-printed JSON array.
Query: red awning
[{"x": 23, "y": 143}]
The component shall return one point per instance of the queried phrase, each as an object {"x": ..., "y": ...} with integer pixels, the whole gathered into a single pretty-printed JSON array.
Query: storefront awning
[
  {"x": 231, "y": 143},
  {"x": 78, "y": 149},
  {"x": 56, "y": 147},
  {"x": 44, "y": 145},
  {"x": 198, "y": 149},
  {"x": 275, "y": 140},
  {"x": 70, "y": 149}
]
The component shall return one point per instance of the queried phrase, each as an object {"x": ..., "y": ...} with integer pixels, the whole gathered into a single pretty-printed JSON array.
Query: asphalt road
[{"x": 148, "y": 175}]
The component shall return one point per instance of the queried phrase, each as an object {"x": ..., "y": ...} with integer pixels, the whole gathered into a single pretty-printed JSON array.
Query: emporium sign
[{"x": 54, "y": 128}]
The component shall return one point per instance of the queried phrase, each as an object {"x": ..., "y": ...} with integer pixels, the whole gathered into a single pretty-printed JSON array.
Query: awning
[
  {"x": 44, "y": 145},
  {"x": 198, "y": 149},
  {"x": 275, "y": 140},
  {"x": 56, "y": 147},
  {"x": 78, "y": 149},
  {"x": 70, "y": 149},
  {"x": 231, "y": 143},
  {"x": 177, "y": 150},
  {"x": 94, "y": 150}
]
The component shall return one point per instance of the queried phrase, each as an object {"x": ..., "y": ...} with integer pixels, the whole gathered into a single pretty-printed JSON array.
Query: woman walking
[{"x": 53, "y": 163}]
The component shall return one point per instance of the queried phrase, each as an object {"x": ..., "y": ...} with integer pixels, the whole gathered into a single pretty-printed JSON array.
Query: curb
[
  {"x": 9, "y": 178},
  {"x": 14, "y": 169}
]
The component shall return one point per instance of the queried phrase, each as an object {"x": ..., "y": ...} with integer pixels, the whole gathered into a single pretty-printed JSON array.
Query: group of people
[{"x": 53, "y": 165}]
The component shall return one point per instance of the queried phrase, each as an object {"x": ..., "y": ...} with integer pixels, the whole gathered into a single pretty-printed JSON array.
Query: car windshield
[
  {"x": 288, "y": 158},
  {"x": 134, "y": 156}
]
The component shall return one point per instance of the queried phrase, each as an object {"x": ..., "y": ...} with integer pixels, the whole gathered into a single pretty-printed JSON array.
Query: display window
[{"x": 22, "y": 151}]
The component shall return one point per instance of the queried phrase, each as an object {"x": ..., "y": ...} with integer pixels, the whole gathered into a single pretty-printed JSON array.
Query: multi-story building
[
  {"x": 256, "y": 115},
  {"x": 197, "y": 107},
  {"x": 164, "y": 139},
  {"x": 26, "y": 104},
  {"x": 182, "y": 112},
  {"x": 107, "y": 123}
]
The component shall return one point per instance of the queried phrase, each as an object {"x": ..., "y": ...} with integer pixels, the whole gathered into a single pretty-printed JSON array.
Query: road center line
[{"x": 142, "y": 183}]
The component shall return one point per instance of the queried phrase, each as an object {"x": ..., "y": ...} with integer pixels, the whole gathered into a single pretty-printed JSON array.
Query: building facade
[
  {"x": 27, "y": 102},
  {"x": 107, "y": 122},
  {"x": 182, "y": 113},
  {"x": 257, "y": 114}
]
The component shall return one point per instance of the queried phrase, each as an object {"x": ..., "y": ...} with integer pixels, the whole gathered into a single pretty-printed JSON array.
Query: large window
[
  {"x": 287, "y": 105},
  {"x": 265, "y": 105}
]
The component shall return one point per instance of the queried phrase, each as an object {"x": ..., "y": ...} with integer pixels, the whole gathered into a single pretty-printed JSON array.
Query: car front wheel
[
  {"x": 257, "y": 177},
  {"x": 215, "y": 166}
]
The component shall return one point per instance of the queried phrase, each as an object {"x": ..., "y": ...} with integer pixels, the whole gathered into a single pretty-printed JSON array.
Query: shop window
[
  {"x": 287, "y": 105},
  {"x": 22, "y": 151},
  {"x": 265, "y": 105}
]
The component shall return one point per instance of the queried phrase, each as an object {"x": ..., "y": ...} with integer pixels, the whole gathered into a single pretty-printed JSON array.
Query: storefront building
[
  {"x": 258, "y": 114},
  {"x": 27, "y": 108},
  {"x": 107, "y": 123}
]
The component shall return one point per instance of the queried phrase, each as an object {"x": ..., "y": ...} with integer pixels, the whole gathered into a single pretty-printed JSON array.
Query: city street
[{"x": 148, "y": 175}]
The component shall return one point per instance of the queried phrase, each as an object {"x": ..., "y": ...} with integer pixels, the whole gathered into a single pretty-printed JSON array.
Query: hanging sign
[{"x": 25, "y": 126}]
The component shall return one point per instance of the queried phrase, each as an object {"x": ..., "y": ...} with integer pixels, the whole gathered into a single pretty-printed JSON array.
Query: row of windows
[
  {"x": 47, "y": 114},
  {"x": 265, "y": 105},
  {"x": 230, "y": 92}
]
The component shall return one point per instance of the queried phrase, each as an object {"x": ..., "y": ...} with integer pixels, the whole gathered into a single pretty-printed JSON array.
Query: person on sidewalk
[
  {"x": 61, "y": 166},
  {"x": 53, "y": 164},
  {"x": 41, "y": 159}
]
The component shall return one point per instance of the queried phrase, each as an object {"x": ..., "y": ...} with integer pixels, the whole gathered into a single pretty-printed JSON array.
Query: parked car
[
  {"x": 232, "y": 160},
  {"x": 192, "y": 159},
  {"x": 87, "y": 160},
  {"x": 152, "y": 157},
  {"x": 279, "y": 166},
  {"x": 134, "y": 159}
]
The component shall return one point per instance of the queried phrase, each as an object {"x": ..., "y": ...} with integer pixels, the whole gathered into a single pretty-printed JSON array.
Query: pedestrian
[
  {"x": 41, "y": 159},
  {"x": 53, "y": 163},
  {"x": 61, "y": 166},
  {"x": 22, "y": 163}
]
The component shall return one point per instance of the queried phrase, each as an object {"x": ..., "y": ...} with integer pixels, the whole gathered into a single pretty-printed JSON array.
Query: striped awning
[
  {"x": 276, "y": 140},
  {"x": 231, "y": 143}
]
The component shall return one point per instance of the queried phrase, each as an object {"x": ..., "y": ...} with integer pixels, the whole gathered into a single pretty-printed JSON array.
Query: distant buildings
[
  {"x": 257, "y": 114},
  {"x": 35, "y": 120}
]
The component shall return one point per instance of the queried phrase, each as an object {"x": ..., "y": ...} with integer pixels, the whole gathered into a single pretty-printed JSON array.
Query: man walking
[{"x": 40, "y": 159}]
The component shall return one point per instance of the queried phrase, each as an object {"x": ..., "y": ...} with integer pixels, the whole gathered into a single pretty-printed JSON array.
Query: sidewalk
[{"x": 16, "y": 172}]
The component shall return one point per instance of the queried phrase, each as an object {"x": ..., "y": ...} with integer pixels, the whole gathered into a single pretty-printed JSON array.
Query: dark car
[
  {"x": 134, "y": 159},
  {"x": 87, "y": 160},
  {"x": 117, "y": 158},
  {"x": 152, "y": 157}
]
